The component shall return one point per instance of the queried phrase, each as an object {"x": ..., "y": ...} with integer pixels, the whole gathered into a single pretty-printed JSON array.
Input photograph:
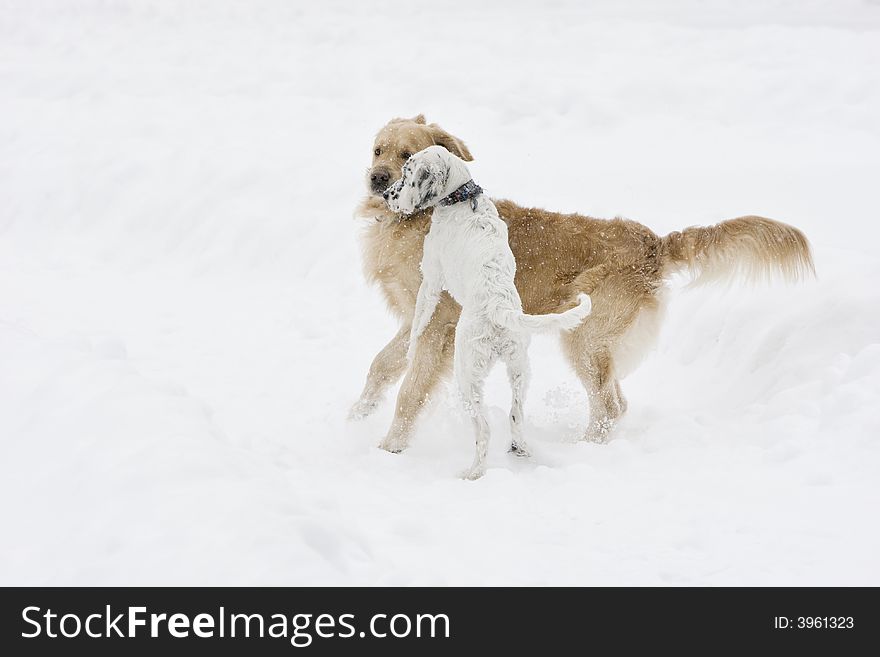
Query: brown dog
[{"x": 621, "y": 264}]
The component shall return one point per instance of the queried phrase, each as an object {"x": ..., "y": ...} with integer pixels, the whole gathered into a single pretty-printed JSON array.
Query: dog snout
[{"x": 379, "y": 180}]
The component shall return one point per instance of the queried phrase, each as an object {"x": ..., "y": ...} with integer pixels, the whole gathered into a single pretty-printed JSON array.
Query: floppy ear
[
  {"x": 452, "y": 144},
  {"x": 430, "y": 180},
  {"x": 418, "y": 118}
]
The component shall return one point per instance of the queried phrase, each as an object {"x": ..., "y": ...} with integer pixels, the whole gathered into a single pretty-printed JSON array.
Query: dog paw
[
  {"x": 472, "y": 474},
  {"x": 599, "y": 432},
  {"x": 395, "y": 446},
  {"x": 362, "y": 408},
  {"x": 520, "y": 449}
]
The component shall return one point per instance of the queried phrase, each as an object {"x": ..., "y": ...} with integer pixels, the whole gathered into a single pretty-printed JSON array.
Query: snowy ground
[{"x": 183, "y": 321}]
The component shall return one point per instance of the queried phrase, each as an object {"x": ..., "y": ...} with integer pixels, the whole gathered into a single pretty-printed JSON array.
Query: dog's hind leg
[
  {"x": 517, "y": 361},
  {"x": 595, "y": 368},
  {"x": 387, "y": 367},
  {"x": 619, "y": 398},
  {"x": 597, "y": 375},
  {"x": 604, "y": 342},
  {"x": 472, "y": 396},
  {"x": 473, "y": 359}
]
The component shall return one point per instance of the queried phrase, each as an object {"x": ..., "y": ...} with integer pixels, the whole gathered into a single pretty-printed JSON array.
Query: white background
[{"x": 184, "y": 323}]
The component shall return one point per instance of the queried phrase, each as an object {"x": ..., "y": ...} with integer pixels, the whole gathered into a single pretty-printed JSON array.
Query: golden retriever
[{"x": 621, "y": 264}]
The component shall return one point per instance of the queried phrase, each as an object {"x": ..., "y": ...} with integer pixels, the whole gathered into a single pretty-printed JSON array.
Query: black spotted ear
[
  {"x": 452, "y": 144},
  {"x": 428, "y": 181}
]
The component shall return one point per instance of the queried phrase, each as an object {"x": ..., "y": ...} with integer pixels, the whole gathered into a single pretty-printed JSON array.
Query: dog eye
[
  {"x": 377, "y": 152},
  {"x": 405, "y": 155}
]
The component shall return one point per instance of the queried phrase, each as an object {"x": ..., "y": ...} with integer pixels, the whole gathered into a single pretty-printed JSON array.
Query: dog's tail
[
  {"x": 565, "y": 321},
  {"x": 754, "y": 248}
]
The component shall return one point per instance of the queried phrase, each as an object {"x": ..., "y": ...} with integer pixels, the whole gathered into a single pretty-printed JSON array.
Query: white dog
[{"x": 466, "y": 253}]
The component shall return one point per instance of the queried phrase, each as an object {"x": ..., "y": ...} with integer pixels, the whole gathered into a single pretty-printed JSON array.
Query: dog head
[
  {"x": 398, "y": 140},
  {"x": 426, "y": 177}
]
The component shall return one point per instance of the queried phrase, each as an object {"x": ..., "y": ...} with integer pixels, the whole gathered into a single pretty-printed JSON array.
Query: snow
[{"x": 184, "y": 323}]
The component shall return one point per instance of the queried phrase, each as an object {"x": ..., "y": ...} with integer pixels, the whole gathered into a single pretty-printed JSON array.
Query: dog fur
[
  {"x": 621, "y": 264},
  {"x": 466, "y": 252}
]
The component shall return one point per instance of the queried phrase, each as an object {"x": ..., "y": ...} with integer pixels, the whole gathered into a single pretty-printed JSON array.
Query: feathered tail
[
  {"x": 754, "y": 248},
  {"x": 565, "y": 321}
]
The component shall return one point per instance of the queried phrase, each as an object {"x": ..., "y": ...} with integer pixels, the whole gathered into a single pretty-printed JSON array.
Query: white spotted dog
[{"x": 466, "y": 253}]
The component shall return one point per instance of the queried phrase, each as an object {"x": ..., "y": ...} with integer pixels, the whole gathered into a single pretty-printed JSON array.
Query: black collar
[{"x": 469, "y": 191}]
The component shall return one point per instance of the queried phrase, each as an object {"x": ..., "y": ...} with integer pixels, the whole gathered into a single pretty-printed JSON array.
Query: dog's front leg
[
  {"x": 426, "y": 304},
  {"x": 387, "y": 367},
  {"x": 432, "y": 360},
  {"x": 427, "y": 299}
]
